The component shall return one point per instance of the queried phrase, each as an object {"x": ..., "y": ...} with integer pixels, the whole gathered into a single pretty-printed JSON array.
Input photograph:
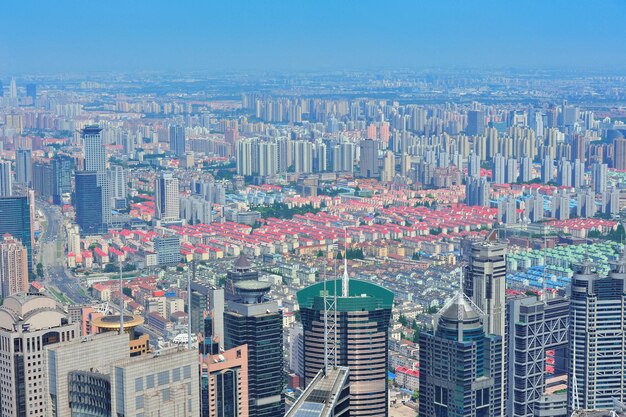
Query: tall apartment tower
[
  {"x": 254, "y": 320},
  {"x": 369, "y": 159},
  {"x": 597, "y": 338},
  {"x": 167, "y": 203},
  {"x": 16, "y": 219},
  {"x": 475, "y": 123},
  {"x": 6, "y": 179},
  {"x": 29, "y": 323},
  {"x": 359, "y": 340},
  {"x": 461, "y": 364},
  {"x": 534, "y": 328},
  {"x": 177, "y": 140},
  {"x": 13, "y": 266},
  {"x": 24, "y": 167},
  {"x": 95, "y": 160}
]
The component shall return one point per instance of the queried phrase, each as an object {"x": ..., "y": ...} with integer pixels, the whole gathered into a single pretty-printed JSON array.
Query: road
[{"x": 52, "y": 249}]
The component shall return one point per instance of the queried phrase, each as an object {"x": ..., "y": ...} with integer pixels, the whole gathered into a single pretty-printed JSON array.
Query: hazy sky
[{"x": 128, "y": 35}]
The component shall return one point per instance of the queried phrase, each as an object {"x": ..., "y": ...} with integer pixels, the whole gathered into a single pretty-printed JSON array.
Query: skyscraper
[
  {"x": 255, "y": 320},
  {"x": 461, "y": 364},
  {"x": 167, "y": 204},
  {"x": 88, "y": 203},
  {"x": 95, "y": 160},
  {"x": 15, "y": 219},
  {"x": 13, "y": 266},
  {"x": 475, "y": 123},
  {"x": 24, "y": 167},
  {"x": 31, "y": 91},
  {"x": 224, "y": 382},
  {"x": 61, "y": 178},
  {"x": 359, "y": 340},
  {"x": 498, "y": 176},
  {"x": 473, "y": 165},
  {"x": 477, "y": 192},
  {"x": 597, "y": 336},
  {"x": 547, "y": 170},
  {"x": 599, "y": 177},
  {"x": 369, "y": 159},
  {"x": 6, "y": 179},
  {"x": 29, "y": 323},
  {"x": 619, "y": 153},
  {"x": 13, "y": 89},
  {"x": 177, "y": 140}
]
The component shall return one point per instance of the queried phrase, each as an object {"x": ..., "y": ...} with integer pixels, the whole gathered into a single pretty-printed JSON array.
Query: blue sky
[{"x": 276, "y": 35}]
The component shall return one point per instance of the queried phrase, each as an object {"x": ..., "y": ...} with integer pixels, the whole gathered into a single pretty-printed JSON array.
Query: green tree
[
  {"x": 110, "y": 267},
  {"x": 39, "y": 270},
  {"x": 403, "y": 321}
]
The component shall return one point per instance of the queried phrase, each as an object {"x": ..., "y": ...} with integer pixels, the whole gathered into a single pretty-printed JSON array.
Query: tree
[
  {"x": 129, "y": 267},
  {"x": 320, "y": 254},
  {"x": 127, "y": 292},
  {"x": 40, "y": 270},
  {"x": 110, "y": 267},
  {"x": 416, "y": 256},
  {"x": 403, "y": 321},
  {"x": 339, "y": 256}
]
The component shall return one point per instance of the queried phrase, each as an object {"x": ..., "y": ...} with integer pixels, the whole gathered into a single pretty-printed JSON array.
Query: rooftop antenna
[
  {"x": 345, "y": 282},
  {"x": 121, "y": 299}
]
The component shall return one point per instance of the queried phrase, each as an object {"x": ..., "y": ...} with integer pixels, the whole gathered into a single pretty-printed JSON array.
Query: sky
[{"x": 44, "y": 36}]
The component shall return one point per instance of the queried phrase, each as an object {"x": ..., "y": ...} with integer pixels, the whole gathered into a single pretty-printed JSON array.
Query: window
[
  {"x": 187, "y": 372},
  {"x": 139, "y": 401},
  {"x": 164, "y": 377},
  {"x": 176, "y": 374},
  {"x": 139, "y": 384},
  {"x": 150, "y": 381}
]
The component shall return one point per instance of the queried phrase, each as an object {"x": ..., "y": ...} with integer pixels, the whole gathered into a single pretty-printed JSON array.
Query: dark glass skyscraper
[
  {"x": 15, "y": 218},
  {"x": 255, "y": 320},
  {"x": 460, "y": 365},
  {"x": 88, "y": 203},
  {"x": 61, "y": 177},
  {"x": 177, "y": 140}
]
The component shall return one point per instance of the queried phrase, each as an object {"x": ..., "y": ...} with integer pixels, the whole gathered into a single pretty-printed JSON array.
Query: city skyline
[{"x": 326, "y": 35}]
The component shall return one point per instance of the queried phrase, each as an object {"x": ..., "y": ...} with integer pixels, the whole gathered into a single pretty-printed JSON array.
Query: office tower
[
  {"x": 29, "y": 323},
  {"x": 207, "y": 304},
  {"x": 24, "y": 167},
  {"x": 535, "y": 327},
  {"x": 16, "y": 220},
  {"x": 327, "y": 395},
  {"x": 177, "y": 140},
  {"x": 547, "y": 170},
  {"x": 475, "y": 123},
  {"x": 167, "y": 204},
  {"x": 578, "y": 174},
  {"x": 461, "y": 365},
  {"x": 95, "y": 160},
  {"x": 88, "y": 203},
  {"x": 224, "y": 382},
  {"x": 526, "y": 169},
  {"x": 599, "y": 177},
  {"x": 31, "y": 91},
  {"x": 358, "y": 340},
  {"x": 13, "y": 89},
  {"x": 619, "y": 153},
  {"x": 252, "y": 319},
  {"x": 61, "y": 178},
  {"x": 167, "y": 249},
  {"x": 165, "y": 384},
  {"x": 368, "y": 166},
  {"x": 498, "y": 175},
  {"x": 117, "y": 180},
  {"x": 512, "y": 170},
  {"x": 42, "y": 179},
  {"x": 597, "y": 338},
  {"x": 485, "y": 282},
  {"x": 473, "y": 165},
  {"x": 78, "y": 374},
  {"x": 13, "y": 266},
  {"x": 564, "y": 173},
  {"x": 6, "y": 179},
  {"x": 477, "y": 192}
]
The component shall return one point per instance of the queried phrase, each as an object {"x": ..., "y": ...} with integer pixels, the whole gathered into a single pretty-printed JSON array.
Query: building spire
[{"x": 345, "y": 281}]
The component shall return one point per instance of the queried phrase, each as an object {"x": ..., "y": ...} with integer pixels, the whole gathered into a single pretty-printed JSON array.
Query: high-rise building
[
  {"x": 242, "y": 271},
  {"x": 564, "y": 173},
  {"x": 167, "y": 249},
  {"x": 78, "y": 374},
  {"x": 547, "y": 170},
  {"x": 578, "y": 174},
  {"x": 389, "y": 165},
  {"x": 369, "y": 159},
  {"x": 31, "y": 91},
  {"x": 24, "y": 167},
  {"x": 6, "y": 179},
  {"x": 597, "y": 336},
  {"x": 475, "y": 122},
  {"x": 537, "y": 334},
  {"x": 327, "y": 395},
  {"x": 477, "y": 192},
  {"x": 526, "y": 169},
  {"x": 13, "y": 89},
  {"x": 61, "y": 178},
  {"x": 29, "y": 323},
  {"x": 599, "y": 177},
  {"x": 207, "y": 303},
  {"x": 13, "y": 266},
  {"x": 619, "y": 153},
  {"x": 117, "y": 179},
  {"x": 167, "y": 203},
  {"x": 252, "y": 319},
  {"x": 88, "y": 203},
  {"x": 16, "y": 219},
  {"x": 461, "y": 365},
  {"x": 177, "y": 140},
  {"x": 95, "y": 160},
  {"x": 498, "y": 175},
  {"x": 224, "y": 380},
  {"x": 359, "y": 338},
  {"x": 42, "y": 179},
  {"x": 473, "y": 165}
]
